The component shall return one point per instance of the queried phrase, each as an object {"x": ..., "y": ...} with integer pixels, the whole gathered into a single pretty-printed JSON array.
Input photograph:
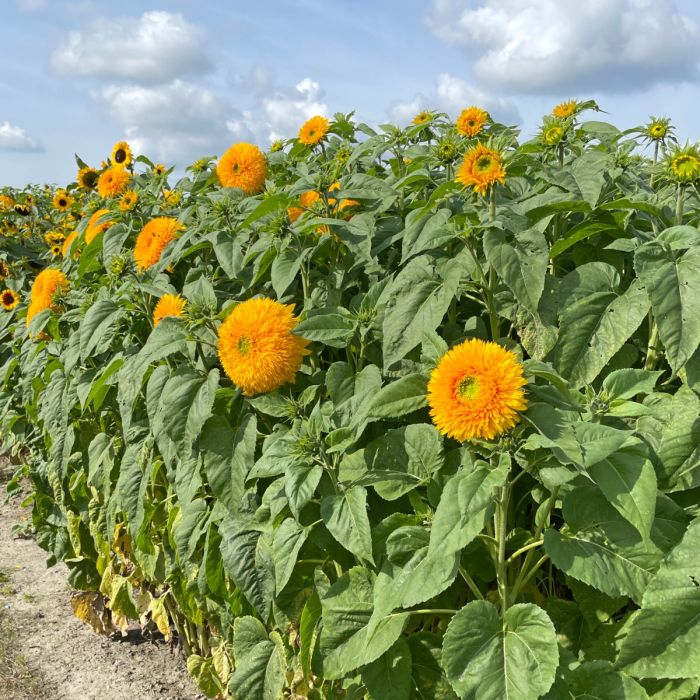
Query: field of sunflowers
[{"x": 382, "y": 413}]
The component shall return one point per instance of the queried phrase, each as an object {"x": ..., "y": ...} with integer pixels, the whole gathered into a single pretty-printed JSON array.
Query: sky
[{"x": 180, "y": 79}]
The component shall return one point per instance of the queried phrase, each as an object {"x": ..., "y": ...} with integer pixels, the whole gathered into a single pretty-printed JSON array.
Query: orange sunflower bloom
[
  {"x": 565, "y": 109},
  {"x": 113, "y": 182},
  {"x": 313, "y": 131},
  {"x": 471, "y": 121},
  {"x": 257, "y": 348},
  {"x": 151, "y": 242},
  {"x": 97, "y": 223},
  {"x": 476, "y": 391},
  {"x": 47, "y": 284},
  {"x": 244, "y": 166},
  {"x": 168, "y": 305},
  {"x": 306, "y": 201},
  {"x": 481, "y": 168},
  {"x": 68, "y": 242},
  {"x": 9, "y": 299}
]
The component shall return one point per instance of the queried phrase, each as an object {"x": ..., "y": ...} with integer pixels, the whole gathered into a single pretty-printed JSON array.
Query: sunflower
[
  {"x": 62, "y": 201},
  {"x": 172, "y": 197},
  {"x": 313, "y": 131},
  {"x": 348, "y": 204},
  {"x": 47, "y": 284},
  {"x": 168, "y": 305},
  {"x": 446, "y": 151},
  {"x": 244, "y": 166},
  {"x": 113, "y": 181},
  {"x": 257, "y": 348},
  {"x": 422, "y": 118},
  {"x": 333, "y": 188},
  {"x": 153, "y": 238},
  {"x": 552, "y": 134},
  {"x": 276, "y": 146},
  {"x": 159, "y": 169},
  {"x": 481, "y": 168},
  {"x": 306, "y": 201},
  {"x": 87, "y": 178},
  {"x": 471, "y": 121},
  {"x": 56, "y": 250},
  {"x": 54, "y": 237},
  {"x": 683, "y": 164},
  {"x": 128, "y": 200},
  {"x": 9, "y": 299},
  {"x": 6, "y": 202},
  {"x": 68, "y": 242},
  {"x": 565, "y": 109},
  {"x": 23, "y": 208},
  {"x": 658, "y": 129},
  {"x": 4, "y": 270},
  {"x": 121, "y": 154},
  {"x": 476, "y": 391},
  {"x": 97, "y": 223}
]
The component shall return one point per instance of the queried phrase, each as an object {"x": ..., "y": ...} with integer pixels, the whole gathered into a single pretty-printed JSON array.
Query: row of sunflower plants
[{"x": 385, "y": 413}]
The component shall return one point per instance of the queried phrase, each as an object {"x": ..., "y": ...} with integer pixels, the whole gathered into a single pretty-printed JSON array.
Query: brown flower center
[
  {"x": 468, "y": 388},
  {"x": 120, "y": 156}
]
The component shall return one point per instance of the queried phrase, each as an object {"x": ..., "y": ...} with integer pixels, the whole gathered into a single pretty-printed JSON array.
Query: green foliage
[{"x": 324, "y": 540}]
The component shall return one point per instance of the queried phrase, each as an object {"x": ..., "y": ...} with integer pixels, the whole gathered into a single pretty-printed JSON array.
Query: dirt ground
[{"x": 48, "y": 654}]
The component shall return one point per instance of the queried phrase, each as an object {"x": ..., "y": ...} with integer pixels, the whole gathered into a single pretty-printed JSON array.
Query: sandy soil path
[{"x": 66, "y": 660}]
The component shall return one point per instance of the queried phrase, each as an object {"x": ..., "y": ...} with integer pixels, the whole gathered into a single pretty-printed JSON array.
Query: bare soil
[{"x": 46, "y": 653}]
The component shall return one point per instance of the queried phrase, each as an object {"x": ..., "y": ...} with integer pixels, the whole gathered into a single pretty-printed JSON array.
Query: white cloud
[
  {"x": 154, "y": 48},
  {"x": 532, "y": 46},
  {"x": 452, "y": 95},
  {"x": 286, "y": 110},
  {"x": 14, "y": 138}
]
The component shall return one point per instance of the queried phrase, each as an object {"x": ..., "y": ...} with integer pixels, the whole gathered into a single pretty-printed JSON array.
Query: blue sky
[{"x": 185, "y": 78}]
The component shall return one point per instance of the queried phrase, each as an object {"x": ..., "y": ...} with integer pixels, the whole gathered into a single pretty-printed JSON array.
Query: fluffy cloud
[
  {"x": 13, "y": 138},
  {"x": 285, "y": 110},
  {"x": 533, "y": 46},
  {"x": 452, "y": 95},
  {"x": 154, "y": 48}
]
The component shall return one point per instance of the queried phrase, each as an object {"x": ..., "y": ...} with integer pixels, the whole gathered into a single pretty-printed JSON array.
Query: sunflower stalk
[
  {"x": 493, "y": 314},
  {"x": 500, "y": 527},
  {"x": 680, "y": 201}
]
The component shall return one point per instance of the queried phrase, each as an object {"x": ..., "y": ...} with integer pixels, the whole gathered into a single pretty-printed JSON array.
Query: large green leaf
[
  {"x": 672, "y": 281},
  {"x": 289, "y": 538},
  {"x": 344, "y": 644},
  {"x": 389, "y": 677},
  {"x": 99, "y": 322},
  {"x": 345, "y": 516},
  {"x": 487, "y": 658},
  {"x": 260, "y": 662},
  {"x": 663, "y": 640},
  {"x": 403, "y": 396}
]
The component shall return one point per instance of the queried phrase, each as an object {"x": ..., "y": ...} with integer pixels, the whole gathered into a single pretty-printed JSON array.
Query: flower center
[
  {"x": 686, "y": 166},
  {"x": 468, "y": 388},
  {"x": 120, "y": 156},
  {"x": 484, "y": 163},
  {"x": 244, "y": 345},
  {"x": 471, "y": 122},
  {"x": 62, "y": 202},
  {"x": 236, "y": 167}
]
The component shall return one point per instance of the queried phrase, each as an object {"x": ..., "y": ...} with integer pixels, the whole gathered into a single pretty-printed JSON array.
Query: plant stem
[
  {"x": 524, "y": 549},
  {"x": 470, "y": 582},
  {"x": 493, "y": 316},
  {"x": 679, "y": 205},
  {"x": 500, "y": 526},
  {"x": 652, "y": 355}
]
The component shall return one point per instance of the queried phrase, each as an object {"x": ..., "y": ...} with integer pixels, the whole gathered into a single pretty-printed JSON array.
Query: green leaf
[
  {"x": 204, "y": 673},
  {"x": 627, "y": 383},
  {"x": 260, "y": 662},
  {"x": 489, "y": 659},
  {"x": 593, "y": 328},
  {"x": 598, "y": 680},
  {"x": 672, "y": 281},
  {"x": 464, "y": 506},
  {"x": 521, "y": 263},
  {"x": 308, "y": 631},
  {"x": 428, "y": 678},
  {"x": 663, "y": 640},
  {"x": 98, "y": 323},
  {"x": 345, "y": 516},
  {"x": 590, "y": 171},
  {"x": 284, "y": 269},
  {"x": 344, "y": 644},
  {"x": 267, "y": 206},
  {"x": 301, "y": 480},
  {"x": 288, "y": 540},
  {"x": 403, "y": 396},
  {"x": 420, "y": 296},
  {"x": 327, "y": 327},
  {"x": 582, "y": 231},
  {"x": 389, "y": 677}
]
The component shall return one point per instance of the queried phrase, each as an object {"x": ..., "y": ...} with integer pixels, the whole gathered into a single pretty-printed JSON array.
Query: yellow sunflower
[
  {"x": 87, "y": 178},
  {"x": 23, "y": 209},
  {"x": 128, "y": 200},
  {"x": 113, "y": 181},
  {"x": 422, "y": 118},
  {"x": 306, "y": 201},
  {"x": 552, "y": 134},
  {"x": 476, "y": 391},
  {"x": 481, "y": 168},
  {"x": 54, "y": 237},
  {"x": 683, "y": 164},
  {"x": 276, "y": 146},
  {"x": 168, "y": 305},
  {"x": 313, "y": 131},
  {"x": 172, "y": 197},
  {"x": 471, "y": 121},
  {"x": 160, "y": 169},
  {"x": 4, "y": 270},
  {"x": 257, "y": 348},
  {"x": 6, "y": 202},
  {"x": 47, "y": 284},
  {"x": 62, "y": 200},
  {"x": 565, "y": 109},
  {"x": 348, "y": 204},
  {"x": 244, "y": 166},
  {"x": 68, "y": 242},
  {"x": 153, "y": 238},
  {"x": 9, "y": 299},
  {"x": 100, "y": 221},
  {"x": 121, "y": 154},
  {"x": 56, "y": 250}
]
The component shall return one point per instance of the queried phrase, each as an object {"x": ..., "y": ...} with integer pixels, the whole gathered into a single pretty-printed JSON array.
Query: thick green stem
[
  {"x": 493, "y": 316},
  {"x": 652, "y": 355},
  {"x": 500, "y": 526},
  {"x": 680, "y": 200}
]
